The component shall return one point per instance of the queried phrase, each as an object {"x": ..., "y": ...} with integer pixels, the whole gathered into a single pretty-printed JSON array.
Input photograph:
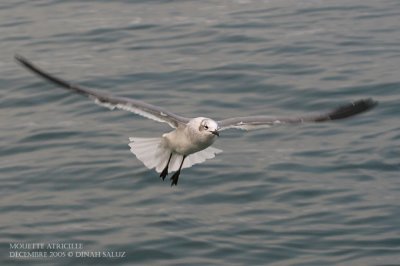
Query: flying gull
[{"x": 190, "y": 141}]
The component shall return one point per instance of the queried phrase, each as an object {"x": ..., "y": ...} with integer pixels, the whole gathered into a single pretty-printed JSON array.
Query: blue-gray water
[{"x": 315, "y": 194}]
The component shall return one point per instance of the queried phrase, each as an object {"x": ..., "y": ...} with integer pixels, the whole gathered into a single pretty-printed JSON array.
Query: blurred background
[{"x": 315, "y": 194}]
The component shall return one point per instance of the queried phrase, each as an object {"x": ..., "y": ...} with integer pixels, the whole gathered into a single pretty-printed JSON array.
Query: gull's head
[{"x": 205, "y": 126}]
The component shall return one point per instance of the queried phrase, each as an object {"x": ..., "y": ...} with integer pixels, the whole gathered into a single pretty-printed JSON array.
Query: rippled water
[{"x": 325, "y": 194}]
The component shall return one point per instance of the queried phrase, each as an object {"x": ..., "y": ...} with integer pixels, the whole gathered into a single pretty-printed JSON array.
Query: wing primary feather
[
  {"x": 348, "y": 110},
  {"x": 104, "y": 99},
  {"x": 256, "y": 122}
]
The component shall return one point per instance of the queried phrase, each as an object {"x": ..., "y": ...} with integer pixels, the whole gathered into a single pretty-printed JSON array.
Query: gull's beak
[{"x": 215, "y": 132}]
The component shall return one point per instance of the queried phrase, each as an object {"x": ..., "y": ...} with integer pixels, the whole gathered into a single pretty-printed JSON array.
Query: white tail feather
[
  {"x": 200, "y": 156},
  {"x": 153, "y": 153}
]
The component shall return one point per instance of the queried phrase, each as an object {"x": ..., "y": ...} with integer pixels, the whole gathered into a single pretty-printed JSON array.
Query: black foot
[
  {"x": 175, "y": 177},
  {"x": 164, "y": 173}
]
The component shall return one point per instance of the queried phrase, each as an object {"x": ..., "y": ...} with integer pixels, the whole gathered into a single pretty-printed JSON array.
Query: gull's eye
[{"x": 205, "y": 127}]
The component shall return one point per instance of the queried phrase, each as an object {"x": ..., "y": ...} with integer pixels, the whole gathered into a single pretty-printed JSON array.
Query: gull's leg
[
  {"x": 175, "y": 177},
  {"x": 164, "y": 173}
]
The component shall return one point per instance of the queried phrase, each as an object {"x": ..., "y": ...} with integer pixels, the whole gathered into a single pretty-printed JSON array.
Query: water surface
[{"x": 325, "y": 194}]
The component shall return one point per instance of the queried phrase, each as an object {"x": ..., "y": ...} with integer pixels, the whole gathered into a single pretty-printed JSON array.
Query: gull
[{"x": 190, "y": 140}]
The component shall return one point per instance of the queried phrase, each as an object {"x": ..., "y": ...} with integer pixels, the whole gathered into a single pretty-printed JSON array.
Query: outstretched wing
[
  {"x": 255, "y": 122},
  {"x": 138, "y": 107}
]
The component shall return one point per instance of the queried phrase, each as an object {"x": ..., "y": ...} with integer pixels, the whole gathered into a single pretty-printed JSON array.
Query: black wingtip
[
  {"x": 351, "y": 109},
  {"x": 26, "y": 63},
  {"x": 58, "y": 81},
  {"x": 20, "y": 59}
]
